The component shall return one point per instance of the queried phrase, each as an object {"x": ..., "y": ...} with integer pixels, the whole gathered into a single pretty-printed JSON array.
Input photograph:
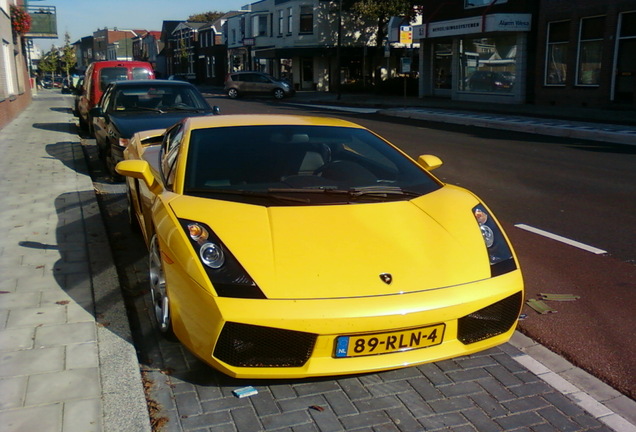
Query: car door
[
  {"x": 262, "y": 84},
  {"x": 100, "y": 124}
]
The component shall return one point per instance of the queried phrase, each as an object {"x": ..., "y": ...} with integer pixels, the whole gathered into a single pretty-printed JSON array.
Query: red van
[{"x": 101, "y": 73}]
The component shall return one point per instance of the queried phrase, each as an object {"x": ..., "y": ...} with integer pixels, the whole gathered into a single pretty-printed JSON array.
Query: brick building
[{"x": 586, "y": 55}]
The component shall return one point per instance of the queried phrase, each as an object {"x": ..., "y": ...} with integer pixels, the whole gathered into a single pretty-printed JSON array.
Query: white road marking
[{"x": 565, "y": 240}]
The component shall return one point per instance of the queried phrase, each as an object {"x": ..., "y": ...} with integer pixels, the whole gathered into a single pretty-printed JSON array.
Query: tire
[
  {"x": 233, "y": 93},
  {"x": 82, "y": 123},
  {"x": 158, "y": 291},
  {"x": 279, "y": 94},
  {"x": 133, "y": 222}
]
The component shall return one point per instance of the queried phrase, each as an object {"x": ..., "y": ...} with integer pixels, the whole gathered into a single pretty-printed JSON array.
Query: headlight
[
  {"x": 227, "y": 275},
  {"x": 499, "y": 252},
  {"x": 212, "y": 255}
]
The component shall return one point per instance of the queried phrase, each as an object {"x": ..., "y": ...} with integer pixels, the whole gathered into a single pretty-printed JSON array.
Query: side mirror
[
  {"x": 97, "y": 112},
  {"x": 429, "y": 162},
  {"x": 141, "y": 170},
  {"x": 216, "y": 110}
]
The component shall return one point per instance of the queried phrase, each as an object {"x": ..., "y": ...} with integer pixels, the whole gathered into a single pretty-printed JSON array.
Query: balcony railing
[{"x": 43, "y": 22}]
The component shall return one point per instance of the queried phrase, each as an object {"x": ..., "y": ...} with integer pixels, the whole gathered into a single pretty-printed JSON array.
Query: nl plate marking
[{"x": 383, "y": 343}]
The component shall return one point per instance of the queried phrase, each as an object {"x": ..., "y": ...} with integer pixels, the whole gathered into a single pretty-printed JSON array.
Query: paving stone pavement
[{"x": 66, "y": 358}]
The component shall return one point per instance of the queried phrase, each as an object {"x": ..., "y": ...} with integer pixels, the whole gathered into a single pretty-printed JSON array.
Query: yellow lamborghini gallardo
[{"x": 291, "y": 246}]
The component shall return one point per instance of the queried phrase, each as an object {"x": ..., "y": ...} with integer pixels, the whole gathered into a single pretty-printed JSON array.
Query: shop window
[
  {"x": 442, "y": 65},
  {"x": 588, "y": 72},
  {"x": 557, "y": 53},
  {"x": 306, "y": 20},
  {"x": 488, "y": 64}
]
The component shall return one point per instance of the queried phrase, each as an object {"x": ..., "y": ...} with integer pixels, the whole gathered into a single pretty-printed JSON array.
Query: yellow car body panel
[
  {"x": 321, "y": 267},
  {"x": 290, "y": 251}
]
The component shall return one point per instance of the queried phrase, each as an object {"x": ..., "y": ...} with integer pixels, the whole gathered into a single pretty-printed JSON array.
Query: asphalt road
[{"x": 579, "y": 190}]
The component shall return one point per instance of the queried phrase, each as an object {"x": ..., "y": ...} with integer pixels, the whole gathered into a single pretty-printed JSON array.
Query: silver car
[{"x": 242, "y": 83}]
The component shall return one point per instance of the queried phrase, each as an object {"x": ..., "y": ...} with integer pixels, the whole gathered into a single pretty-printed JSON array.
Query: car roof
[
  {"x": 133, "y": 83},
  {"x": 266, "y": 120}
]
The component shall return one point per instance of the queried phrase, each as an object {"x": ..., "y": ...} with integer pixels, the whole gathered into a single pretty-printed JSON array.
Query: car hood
[
  {"x": 339, "y": 251},
  {"x": 128, "y": 124}
]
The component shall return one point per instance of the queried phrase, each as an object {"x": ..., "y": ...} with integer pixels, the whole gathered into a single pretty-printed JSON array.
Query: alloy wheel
[{"x": 161, "y": 304}]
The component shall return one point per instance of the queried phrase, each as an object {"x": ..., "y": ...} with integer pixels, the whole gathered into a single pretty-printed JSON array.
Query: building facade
[
  {"x": 15, "y": 86},
  {"x": 477, "y": 50},
  {"x": 298, "y": 40},
  {"x": 586, "y": 55}
]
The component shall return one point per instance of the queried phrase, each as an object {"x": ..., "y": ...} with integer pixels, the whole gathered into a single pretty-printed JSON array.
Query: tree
[
  {"x": 49, "y": 62},
  {"x": 205, "y": 16},
  {"x": 67, "y": 56},
  {"x": 380, "y": 11}
]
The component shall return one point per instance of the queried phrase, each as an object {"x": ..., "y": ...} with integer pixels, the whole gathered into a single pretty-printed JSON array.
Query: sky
[{"x": 82, "y": 17}]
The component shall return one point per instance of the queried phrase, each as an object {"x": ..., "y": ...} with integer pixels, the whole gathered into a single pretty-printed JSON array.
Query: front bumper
[{"x": 248, "y": 338}]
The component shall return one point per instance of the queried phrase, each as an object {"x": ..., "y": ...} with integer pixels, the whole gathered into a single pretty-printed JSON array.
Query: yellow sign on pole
[{"x": 406, "y": 35}]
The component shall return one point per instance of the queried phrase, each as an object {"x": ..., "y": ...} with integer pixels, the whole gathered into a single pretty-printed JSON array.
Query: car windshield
[
  {"x": 300, "y": 165},
  {"x": 160, "y": 98}
]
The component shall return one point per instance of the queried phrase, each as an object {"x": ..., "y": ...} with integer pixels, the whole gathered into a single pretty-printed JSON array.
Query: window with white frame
[
  {"x": 259, "y": 25},
  {"x": 557, "y": 53},
  {"x": 588, "y": 71},
  {"x": 281, "y": 22},
  {"x": 9, "y": 87},
  {"x": 290, "y": 21},
  {"x": 306, "y": 19}
]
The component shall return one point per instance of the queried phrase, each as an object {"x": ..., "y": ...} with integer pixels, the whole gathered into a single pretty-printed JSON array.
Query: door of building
[{"x": 307, "y": 74}]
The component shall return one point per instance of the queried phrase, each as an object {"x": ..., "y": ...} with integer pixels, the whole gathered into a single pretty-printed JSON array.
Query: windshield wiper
[
  {"x": 383, "y": 191},
  {"x": 184, "y": 108},
  {"x": 375, "y": 191},
  {"x": 241, "y": 192}
]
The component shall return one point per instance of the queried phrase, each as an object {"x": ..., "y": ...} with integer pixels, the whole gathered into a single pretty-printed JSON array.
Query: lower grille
[
  {"x": 490, "y": 321},
  {"x": 245, "y": 345}
]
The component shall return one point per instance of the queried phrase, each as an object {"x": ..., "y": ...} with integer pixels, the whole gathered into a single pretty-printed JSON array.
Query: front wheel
[
  {"x": 279, "y": 94},
  {"x": 158, "y": 291},
  {"x": 233, "y": 93}
]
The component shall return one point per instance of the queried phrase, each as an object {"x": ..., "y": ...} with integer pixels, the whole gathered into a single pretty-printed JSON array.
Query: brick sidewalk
[{"x": 61, "y": 369}]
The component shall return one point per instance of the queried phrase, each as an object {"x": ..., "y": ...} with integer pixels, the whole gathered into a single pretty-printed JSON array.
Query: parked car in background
[
  {"x": 77, "y": 92},
  {"x": 239, "y": 84},
  {"x": 130, "y": 106},
  {"x": 483, "y": 80},
  {"x": 286, "y": 246},
  {"x": 97, "y": 78}
]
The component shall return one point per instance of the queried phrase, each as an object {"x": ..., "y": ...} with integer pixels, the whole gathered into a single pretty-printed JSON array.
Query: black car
[
  {"x": 127, "y": 107},
  {"x": 484, "y": 80}
]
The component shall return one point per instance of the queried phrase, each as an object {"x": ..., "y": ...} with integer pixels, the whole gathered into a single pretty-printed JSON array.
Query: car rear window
[{"x": 112, "y": 74}]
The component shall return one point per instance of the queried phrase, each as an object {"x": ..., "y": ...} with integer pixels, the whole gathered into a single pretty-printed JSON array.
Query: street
[{"x": 578, "y": 190}]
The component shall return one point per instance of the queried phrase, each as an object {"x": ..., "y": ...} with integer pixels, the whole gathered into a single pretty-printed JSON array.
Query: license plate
[{"x": 383, "y": 343}]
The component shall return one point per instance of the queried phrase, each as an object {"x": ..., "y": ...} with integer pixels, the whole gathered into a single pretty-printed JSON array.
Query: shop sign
[{"x": 493, "y": 23}]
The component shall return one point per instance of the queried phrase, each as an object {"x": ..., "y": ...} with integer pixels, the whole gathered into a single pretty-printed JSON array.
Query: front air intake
[
  {"x": 245, "y": 345},
  {"x": 490, "y": 321}
]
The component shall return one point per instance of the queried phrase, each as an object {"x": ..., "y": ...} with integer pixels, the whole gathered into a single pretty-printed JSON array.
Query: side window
[
  {"x": 169, "y": 151},
  {"x": 106, "y": 98}
]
